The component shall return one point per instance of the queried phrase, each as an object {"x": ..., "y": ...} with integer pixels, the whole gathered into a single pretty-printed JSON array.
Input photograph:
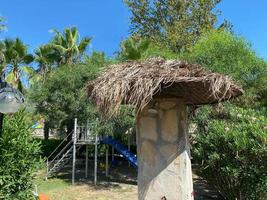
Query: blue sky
[{"x": 107, "y": 21}]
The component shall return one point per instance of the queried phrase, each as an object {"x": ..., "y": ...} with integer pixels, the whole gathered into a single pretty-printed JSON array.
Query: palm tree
[
  {"x": 45, "y": 57},
  {"x": 2, "y": 57},
  {"x": 2, "y": 25},
  {"x": 2, "y": 46},
  {"x": 133, "y": 48},
  {"x": 67, "y": 46},
  {"x": 16, "y": 60}
]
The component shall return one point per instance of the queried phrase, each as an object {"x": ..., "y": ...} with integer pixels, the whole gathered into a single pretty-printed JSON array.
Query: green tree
[
  {"x": 45, "y": 57},
  {"x": 175, "y": 23},
  {"x": 17, "y": 59},
  {"x": 2, "y": 57},
  {"x": 231, "y": 135},
  {"x": 19, "y": 158},
  {"x": 62, "y": 97},
  {"x": 132, "y": 48},
  {"x": 68, "y": 49},
  {"x": 223, "y": 52}
]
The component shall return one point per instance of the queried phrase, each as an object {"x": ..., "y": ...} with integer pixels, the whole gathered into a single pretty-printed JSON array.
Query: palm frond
[
  {"x": 28, "y": 58},
  {"x": 20, "y": 48},
  {"x": 10, "y": 78},
  {"x": 75, "y": 34},
  {"x": 29, "y": 71},
  {"x": 84, "y": 44}
]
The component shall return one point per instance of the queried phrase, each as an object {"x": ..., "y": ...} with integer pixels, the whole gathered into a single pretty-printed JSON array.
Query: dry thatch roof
[{"x": 137, "y": 83}]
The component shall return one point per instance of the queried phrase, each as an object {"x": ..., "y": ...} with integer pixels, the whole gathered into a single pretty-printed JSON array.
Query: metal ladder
[
  {"x": 81, "y": 135},
  {"x": 54, "y": 164}
]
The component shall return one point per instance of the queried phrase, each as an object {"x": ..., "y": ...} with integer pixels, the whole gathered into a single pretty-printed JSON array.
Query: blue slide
[{"x": 121, "y": 149}]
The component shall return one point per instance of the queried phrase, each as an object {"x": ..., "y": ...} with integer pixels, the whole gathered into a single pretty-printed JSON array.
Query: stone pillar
[{"x": 164, "y": 166}]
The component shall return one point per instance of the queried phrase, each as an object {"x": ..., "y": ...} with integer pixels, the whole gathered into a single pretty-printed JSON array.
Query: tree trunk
[
  {"x": 70, "y": 127},
  {"x": 46, "y": 130},
  {"x": 1, "y": 123}
]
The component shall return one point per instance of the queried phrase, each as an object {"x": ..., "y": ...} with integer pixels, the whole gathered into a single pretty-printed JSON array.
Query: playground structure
[
  {"x": 82, "y": 135},
  {"x": 161, "y": 90}
]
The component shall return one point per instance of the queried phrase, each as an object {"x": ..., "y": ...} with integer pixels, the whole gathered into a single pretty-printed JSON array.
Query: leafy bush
[
  {"x": 48, "y": 146},
  {"x": 231, "y": 149},
  {"x": 231, "y": 143},
  {"x": 19, "y": 158},
  {"x": 226, "y": 53}
]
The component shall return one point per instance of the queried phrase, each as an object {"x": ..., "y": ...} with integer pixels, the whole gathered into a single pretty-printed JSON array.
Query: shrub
[
  {"x": 226, "y": 53},
  {"x": 229, "y": 54},
  {"x": 19, "y": 158},
  {"x": 231, "y": 149},
  {"x": 48, "y": 146}
]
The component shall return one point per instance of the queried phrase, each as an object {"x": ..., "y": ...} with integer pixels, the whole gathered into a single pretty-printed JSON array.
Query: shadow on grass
[{"x": 121, "y": 174}]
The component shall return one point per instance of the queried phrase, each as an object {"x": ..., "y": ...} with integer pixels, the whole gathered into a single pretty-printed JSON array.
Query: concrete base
[{"x": 164, "y": 166}]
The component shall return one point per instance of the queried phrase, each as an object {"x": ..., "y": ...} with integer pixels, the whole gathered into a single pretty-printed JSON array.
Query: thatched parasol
[
  {"x": 138, "y": 82},
  {"x": 160, "y": 89}
]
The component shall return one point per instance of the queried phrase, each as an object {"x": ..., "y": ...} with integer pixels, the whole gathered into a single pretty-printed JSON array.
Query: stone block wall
[{"x": 164, "y": 167}]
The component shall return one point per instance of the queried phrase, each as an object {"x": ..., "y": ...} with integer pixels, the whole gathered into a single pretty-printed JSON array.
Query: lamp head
[{"x": 10, "y": 99}]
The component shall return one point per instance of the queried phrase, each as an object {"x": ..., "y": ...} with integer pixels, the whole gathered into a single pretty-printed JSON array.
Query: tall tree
[
  {"x": 45, "y": 57},
  {"x": 2, "y": 57},
  {"x": 2, "y": 25},
  {"x": 61, "y": 97},
  {"x": 16, "y": 60},
  {"x": 2, "y": 46},
  {"x": 176, "y": 23},
  {"x": 67, "y": 46}
]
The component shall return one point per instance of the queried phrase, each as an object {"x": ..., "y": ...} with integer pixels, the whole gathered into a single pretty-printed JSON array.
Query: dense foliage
[
  {"x": 228, "y": 54},
  {"x": 132, "y": 48},
  {"x": 67, "y": 47},
  {"x": 19, "y": 158},
  {"x": 176, "y": 24},
  {"x": 231, "y": 149},
  {"x": 62, "y": 97},
  {"x": 231, "y": 139},
  {"x": 15, "y": 61}
]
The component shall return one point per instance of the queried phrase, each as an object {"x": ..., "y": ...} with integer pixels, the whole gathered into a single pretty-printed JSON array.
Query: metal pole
[
  {"x": 112, "y": 150},
  {"x": 86, "y": 162},
  {"x": 112, "y": 154},
  {"x": 47, "y": 169},
  {"x": 129, "y": 145},
  {"x": 106, "y": 160},
  {"x": 74, "y": 151},
  {"x": 87, "y": 130},
  {"x": 86, "y": 154},
  {"x": 95, "y": 171}
]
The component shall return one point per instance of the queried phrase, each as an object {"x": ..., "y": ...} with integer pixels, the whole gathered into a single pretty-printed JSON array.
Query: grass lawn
[
  {"x": 117, "y": 187},
  {"x": 58, "y": 189},
  {"x": 121, "y": 184}
]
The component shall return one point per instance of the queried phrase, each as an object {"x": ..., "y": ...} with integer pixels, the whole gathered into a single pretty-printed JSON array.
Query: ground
[{"x": 121, "y": 184}]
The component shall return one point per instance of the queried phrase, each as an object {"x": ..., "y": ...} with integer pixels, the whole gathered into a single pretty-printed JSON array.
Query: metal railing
[{"x": 67, "y": 149}]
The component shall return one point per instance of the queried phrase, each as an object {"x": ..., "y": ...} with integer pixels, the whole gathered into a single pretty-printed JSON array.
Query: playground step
[{"x": 56, "y": 165}]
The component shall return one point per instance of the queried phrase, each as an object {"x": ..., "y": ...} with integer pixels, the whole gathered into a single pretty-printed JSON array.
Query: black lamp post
[{"x": 10, "y": 100}]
